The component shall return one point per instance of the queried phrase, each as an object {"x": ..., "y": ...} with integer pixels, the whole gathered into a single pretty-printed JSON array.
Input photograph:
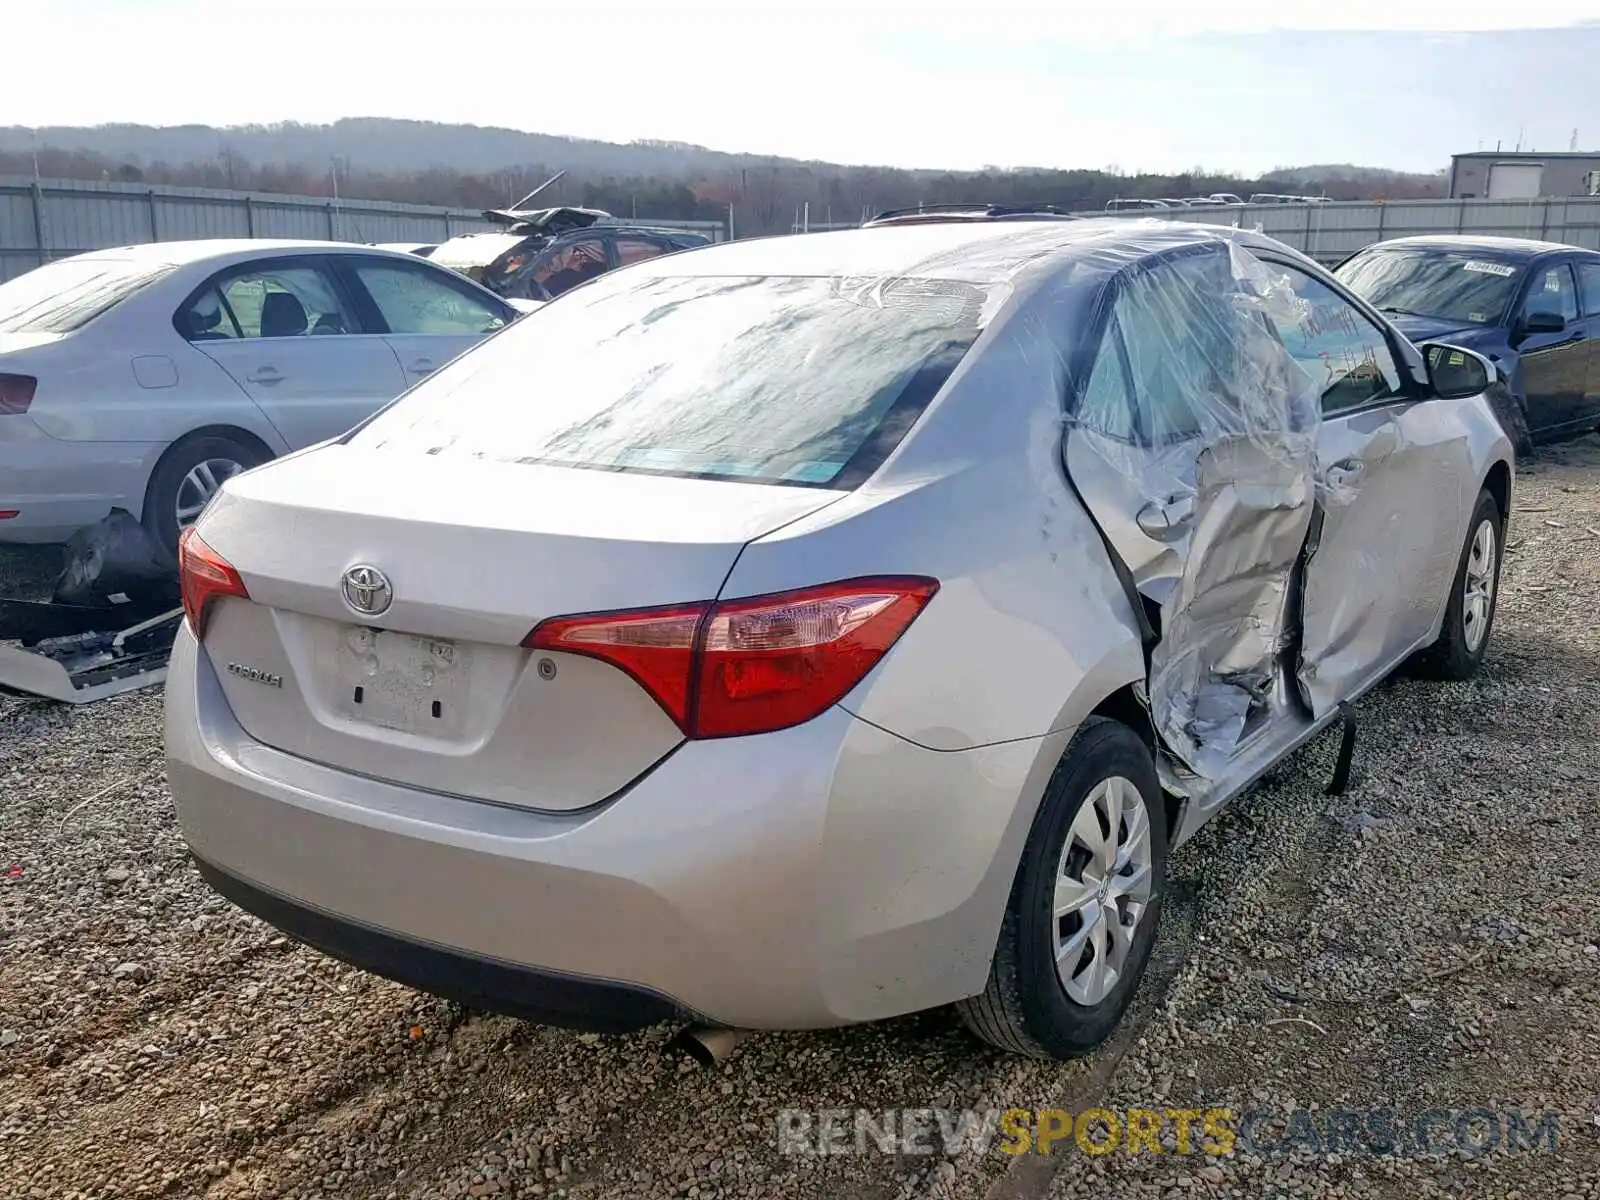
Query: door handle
[
  {"x": 266, "y": 376},
  {"x": 1346, "y": 470},
  {"x": 422, "y": 366},
  {"x": 1166, "y": 520}
]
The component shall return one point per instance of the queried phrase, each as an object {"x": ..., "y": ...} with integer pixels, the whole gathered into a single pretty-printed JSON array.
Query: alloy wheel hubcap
[
  {"x": 1103, "y": 886},
  {"x": 1477, "y": 588},
  {"x": 200, "y": 484}
]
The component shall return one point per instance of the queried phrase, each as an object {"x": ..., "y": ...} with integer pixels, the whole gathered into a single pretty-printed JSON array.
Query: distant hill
[
  {"x": 476, "y": 166},
  {"x": 381, "y": 145},
  {"x": 1349, "y": 173}
]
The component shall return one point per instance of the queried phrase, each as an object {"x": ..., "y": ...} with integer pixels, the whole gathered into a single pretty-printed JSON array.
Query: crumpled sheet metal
[
  {"x": 1229, "y": 444},
  {"x": 1223, "y": 627}
]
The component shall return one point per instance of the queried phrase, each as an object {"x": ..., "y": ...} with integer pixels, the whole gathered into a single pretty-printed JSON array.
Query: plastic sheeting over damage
[{"x": 1223, "y": 465}]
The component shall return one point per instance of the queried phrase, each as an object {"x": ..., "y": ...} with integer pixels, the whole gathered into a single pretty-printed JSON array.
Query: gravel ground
[{"x": 1434, "y": 934}]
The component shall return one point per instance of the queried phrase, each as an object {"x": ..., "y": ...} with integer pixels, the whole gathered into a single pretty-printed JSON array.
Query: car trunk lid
[{"x": 435, "y": 690}]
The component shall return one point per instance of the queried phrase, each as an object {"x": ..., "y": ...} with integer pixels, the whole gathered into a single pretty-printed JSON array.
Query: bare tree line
[{"x": 667, "y": 180}]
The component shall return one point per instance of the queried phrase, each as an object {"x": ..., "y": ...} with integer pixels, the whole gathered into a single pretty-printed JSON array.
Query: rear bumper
[
  {"x": 59, "y": 487},
  {"x": 517, "y": 991},
  {"x": 823, "y": 875}
]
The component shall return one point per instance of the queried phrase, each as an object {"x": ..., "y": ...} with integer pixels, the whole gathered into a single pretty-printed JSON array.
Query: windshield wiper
[{"x": 1400, "y": 312}]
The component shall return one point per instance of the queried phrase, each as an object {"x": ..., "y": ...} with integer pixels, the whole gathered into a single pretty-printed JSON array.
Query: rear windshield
[
  {"x": 1451, "y": 285},
  {"x": 805, "y": 381},
  {"x": 62, "y": 296}
]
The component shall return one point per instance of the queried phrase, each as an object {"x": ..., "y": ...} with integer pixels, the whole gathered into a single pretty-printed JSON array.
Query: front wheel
[
  {"x": 1469, "y": 617},
  {"x": 1085, "y": 905}
]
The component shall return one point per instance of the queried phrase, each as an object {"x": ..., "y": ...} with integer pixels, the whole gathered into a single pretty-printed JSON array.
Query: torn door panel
[
  {"x": 1223, "y": 628},
  {"x": 1209, "y": 499}
]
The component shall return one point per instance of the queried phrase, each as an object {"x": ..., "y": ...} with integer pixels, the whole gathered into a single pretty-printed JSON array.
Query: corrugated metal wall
[
  {"x": 1331, "y": 232},
  {"x": 51, "y": 219}
]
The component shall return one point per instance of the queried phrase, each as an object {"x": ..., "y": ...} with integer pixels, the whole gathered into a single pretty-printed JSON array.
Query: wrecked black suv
[{"x": 540, "y": 253}]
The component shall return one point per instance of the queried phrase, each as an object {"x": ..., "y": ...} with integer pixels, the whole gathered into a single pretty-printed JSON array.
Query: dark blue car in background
[{"x": 1532, "y": 308}]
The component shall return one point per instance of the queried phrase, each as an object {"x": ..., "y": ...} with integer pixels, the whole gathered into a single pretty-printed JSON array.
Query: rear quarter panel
[{"x": 970, "y": 713}]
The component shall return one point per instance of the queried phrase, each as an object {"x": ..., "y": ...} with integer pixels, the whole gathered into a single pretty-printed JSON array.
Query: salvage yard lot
[{"x": 1435, "y": 933}]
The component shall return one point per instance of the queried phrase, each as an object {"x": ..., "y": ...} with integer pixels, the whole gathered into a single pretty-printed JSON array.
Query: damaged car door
[
  {"x": 1278, "y": 485},
  {"x": 1192, "y": 442}
]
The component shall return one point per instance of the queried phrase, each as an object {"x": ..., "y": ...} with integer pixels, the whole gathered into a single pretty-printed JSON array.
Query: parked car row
[{"x": 1130, "y": 204}]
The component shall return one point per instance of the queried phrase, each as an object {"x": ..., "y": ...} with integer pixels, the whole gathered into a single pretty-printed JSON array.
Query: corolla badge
[
  {"x": 255, "y": 674},
  {"x": 367, "y": 590}
]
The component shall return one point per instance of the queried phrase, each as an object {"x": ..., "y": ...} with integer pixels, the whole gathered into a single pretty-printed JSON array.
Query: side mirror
[
  {"x": 1456, "y": 374},
  {"x": 1543, "y": 321}
]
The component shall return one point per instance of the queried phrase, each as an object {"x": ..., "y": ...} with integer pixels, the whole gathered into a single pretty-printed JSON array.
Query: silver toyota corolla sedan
[{"x": 811, "y": 630}]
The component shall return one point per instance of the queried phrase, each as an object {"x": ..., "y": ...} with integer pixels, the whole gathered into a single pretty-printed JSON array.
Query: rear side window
[
  {"x": 268, "y": 300},
  {"x": 63, "y": 296},
  {"x": 804, "y": 381},
  {"x": 1107, "y": 403},
  {"x": 1175, "y": 341}
]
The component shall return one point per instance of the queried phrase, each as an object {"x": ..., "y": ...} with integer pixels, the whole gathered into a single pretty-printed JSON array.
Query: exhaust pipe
[{"x": 708, "y": 1045}]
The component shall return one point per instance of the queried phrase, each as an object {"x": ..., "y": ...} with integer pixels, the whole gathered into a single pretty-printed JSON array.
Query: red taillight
[
  {"x": 16, "y": 393},
  {"x": 204, "y": 576},
  {"x": 654, "y": 645},
  {"x": 751, "y": 665}
]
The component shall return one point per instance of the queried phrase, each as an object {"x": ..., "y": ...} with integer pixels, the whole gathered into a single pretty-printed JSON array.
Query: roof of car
[
  {"x": 968, "y": 251},
  {"x": 182, "y": 253},
  {"x": 1506, "y": 247}
]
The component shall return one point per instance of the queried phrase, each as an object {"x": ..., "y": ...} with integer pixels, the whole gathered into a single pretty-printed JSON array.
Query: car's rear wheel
[
  {"x": 1469, "y": 617},
  {"x": 188, "y": 475},
  {"x": 1085, "y": 904}
]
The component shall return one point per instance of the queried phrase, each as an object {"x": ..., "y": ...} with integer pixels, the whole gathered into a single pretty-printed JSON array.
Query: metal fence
[
  {"x": 1331, "y": 232},
  {"x": 45, "y": 219},
  {"x": 42, "y": 220}
]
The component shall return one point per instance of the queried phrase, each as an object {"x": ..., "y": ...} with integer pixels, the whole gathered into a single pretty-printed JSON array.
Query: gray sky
[{"x": 1150, "y": 85}]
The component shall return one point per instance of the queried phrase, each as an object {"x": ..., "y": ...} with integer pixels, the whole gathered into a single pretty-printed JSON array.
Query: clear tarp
[{"x": 1196, "y": 403}]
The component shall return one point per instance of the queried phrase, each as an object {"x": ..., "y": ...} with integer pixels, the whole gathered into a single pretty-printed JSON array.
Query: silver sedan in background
[{"x": 140, "y": 378}]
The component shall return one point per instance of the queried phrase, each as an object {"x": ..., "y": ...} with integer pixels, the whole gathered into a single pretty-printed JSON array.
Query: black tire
[
  {"x": 1025, "y": 1009},
  {"x": 1454, "y": 655},
  {"x": 160, "y": 516}
]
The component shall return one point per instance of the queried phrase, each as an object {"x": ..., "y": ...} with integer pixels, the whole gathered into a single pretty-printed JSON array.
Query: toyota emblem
[{"x": 367, "y": 590}]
